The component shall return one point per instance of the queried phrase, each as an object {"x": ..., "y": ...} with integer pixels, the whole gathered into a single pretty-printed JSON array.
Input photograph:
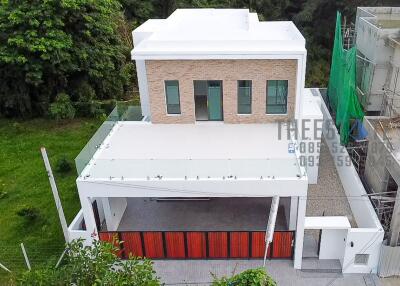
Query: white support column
[
  {"x": 88, "y": 214},
  {"x": 293, "y": 213},
  {"x": 143, "y": 87},
  {"x": 298, "y": 251},
  {"x": 107, "y": 212}
]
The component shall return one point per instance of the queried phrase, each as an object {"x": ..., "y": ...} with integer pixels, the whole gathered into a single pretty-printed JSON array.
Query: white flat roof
[
  {"x": 205, "y": 150},
  {"x": 215, "y": 31}
]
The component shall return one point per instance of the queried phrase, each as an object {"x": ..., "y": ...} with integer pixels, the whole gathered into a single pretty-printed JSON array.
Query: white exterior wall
[
  {"x": 74, "y": 230},
  {"x": 368, "y": 237},
  {"x": 194, "y": 188},
  {"x": 143, "y": 87},
  {"x": 365, "y": 241},
  {"x": 333, "y": 242},
  {"x": 298, "y": 249}
]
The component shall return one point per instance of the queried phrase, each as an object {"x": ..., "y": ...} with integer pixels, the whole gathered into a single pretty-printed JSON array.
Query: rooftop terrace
[{"x": 141, "y": 150}]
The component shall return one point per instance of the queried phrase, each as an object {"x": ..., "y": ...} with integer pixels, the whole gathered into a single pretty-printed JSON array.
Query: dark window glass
[
  {"x": 244, "y": 96},
  {"x": 277, "y": 93},
  {"x": 172, "y": 97}
]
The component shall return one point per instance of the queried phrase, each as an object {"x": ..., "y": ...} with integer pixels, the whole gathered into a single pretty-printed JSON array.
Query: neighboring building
[
  {"x": 194, "y": 176},
  {"x": 382, "y": 172},
  {"x": 378, "y": 44}
]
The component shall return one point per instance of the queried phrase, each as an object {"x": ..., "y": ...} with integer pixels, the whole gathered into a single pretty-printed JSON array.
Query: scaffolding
[
  {"x": 391, "y": 98},
  {"x": 348, "y": 34},
  {"x": 342, "y": 95},
  {"x": 383, "y": 199}
]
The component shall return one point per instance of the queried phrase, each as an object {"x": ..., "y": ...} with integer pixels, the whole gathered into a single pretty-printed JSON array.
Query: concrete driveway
[{"x": 198, "y": 272}]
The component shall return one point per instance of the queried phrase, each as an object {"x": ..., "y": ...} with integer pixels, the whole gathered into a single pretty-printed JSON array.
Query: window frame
[
  {"x": 284, "y": 105},
  {"x": 238, "y": 97},
  {"x": 166, "y": 98}
]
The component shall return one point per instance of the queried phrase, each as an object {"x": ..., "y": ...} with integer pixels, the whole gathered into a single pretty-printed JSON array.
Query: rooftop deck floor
[{"x": 140, "y": 150}]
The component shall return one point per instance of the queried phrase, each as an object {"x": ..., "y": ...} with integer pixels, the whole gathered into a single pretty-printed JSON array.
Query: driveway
[{"x": 198, "y": 272}]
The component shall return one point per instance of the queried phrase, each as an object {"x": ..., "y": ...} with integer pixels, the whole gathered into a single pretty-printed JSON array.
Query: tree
[
  {"x": 93, "y": 265},
  {"x": 54, "y": 46}
]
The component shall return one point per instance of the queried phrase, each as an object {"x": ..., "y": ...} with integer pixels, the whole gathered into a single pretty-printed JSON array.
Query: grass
[{"x": 24, "y": 185}]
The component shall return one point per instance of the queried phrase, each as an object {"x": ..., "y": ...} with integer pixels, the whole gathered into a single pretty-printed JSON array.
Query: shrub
[
  {"x": 250, "y": 277},
  {"x": 63, "y": 165},
  {"x": 97, "y": 264},
  {"x": 62, "y": 107},
  {"x": 28, "y": 212}
]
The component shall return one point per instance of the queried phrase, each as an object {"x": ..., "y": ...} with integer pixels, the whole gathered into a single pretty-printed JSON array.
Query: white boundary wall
[{"x": 368, "y": 237}]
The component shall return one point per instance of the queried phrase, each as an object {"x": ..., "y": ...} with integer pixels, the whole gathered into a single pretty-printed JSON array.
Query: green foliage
[
  {"x": 250, "y": 277},
  {"x": 3, "y": 194},
  {"x": 49, "y": 46},
  {"x": 25, "y": 180},
  {"x": 28, "y": 212},
  {"x": 63, "y": 165},
  {"x": 93, "y": 265},
  {"x": 62, "y": 107}
]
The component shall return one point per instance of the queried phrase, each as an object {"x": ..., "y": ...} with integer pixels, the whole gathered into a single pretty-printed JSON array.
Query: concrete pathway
[{"x": 199, "y": 272}]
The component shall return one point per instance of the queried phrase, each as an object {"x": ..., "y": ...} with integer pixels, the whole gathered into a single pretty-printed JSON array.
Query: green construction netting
[{"x": 342, "y": 85}]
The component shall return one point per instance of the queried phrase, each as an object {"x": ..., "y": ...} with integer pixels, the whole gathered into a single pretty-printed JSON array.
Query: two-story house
[{"x": 194, "y": 177}]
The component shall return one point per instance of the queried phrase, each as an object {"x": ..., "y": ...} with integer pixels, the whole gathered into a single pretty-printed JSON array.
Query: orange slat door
[
  {"x": 132, "y": 243},
  {"x": 258, "y": 244},
  {"x": 196, "y": 244},
  {"x": 282, "y": 244},
  {"x": 153, "y": 244},
  {"x": 239, "y": 244},
  {"x": 175, "y": 244},
  {"x": 218, "y": 244}
]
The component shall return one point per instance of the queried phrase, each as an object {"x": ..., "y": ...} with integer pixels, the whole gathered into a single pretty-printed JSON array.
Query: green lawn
[{"x": 24, "y": 179}]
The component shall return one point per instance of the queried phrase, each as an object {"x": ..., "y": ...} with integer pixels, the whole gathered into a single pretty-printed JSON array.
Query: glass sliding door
[{"x": 208, "y": 100}]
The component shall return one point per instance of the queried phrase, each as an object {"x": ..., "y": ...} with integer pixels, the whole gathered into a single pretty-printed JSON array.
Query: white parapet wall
[
  {"x": 75, "y": 230},
  {"x": 310, "y": 127},
  {"x": 363, "y": 244}
]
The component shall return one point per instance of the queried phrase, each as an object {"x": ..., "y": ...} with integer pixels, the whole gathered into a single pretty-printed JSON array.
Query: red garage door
[{"x": 200, "y": 244}]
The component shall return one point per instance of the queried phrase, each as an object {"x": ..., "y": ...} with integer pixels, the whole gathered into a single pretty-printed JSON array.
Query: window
[
  {"x": 277, "y": 92},
  {"x": 361, "y": 259},
  {"x": 244, "y": 96},
  {"x": 172, "y": 97}
]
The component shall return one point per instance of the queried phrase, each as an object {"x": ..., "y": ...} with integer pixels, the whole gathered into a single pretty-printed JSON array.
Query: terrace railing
[{"x": 121, "y": 112}]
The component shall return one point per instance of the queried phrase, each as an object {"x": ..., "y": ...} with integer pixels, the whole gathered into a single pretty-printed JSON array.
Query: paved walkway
[{"x": 198, "y": 272}]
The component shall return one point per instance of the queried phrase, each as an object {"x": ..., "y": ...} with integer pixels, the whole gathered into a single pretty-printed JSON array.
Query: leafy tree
[
  {"x": 53, "y": 46},
  {"x": 250, "y": 277},
  {"x": 93, "y": 265}
]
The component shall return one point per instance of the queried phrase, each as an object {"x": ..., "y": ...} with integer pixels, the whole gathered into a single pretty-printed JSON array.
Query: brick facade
[{"x": 229, "y": 71}]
